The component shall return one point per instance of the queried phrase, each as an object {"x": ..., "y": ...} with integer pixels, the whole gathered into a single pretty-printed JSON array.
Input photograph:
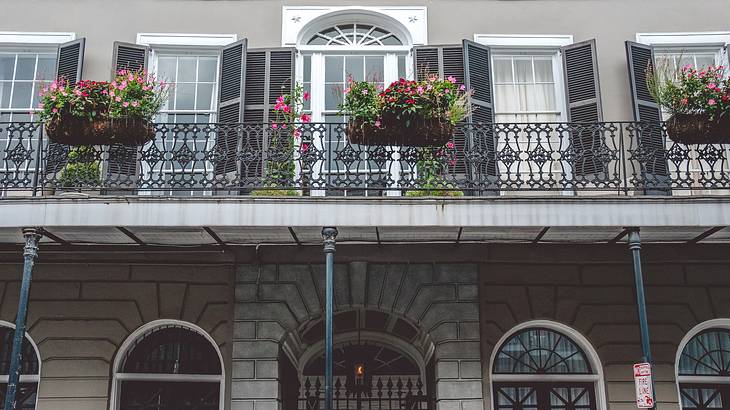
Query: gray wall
[{"x": 611, "y": 22}]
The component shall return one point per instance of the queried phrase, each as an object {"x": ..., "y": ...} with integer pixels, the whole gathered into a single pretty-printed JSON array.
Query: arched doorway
[
  {"x": 380, "y": 361},
  {"x": 703, "y": 366},
  {"x": 27, "y": 393},
  {"x": 171, "y": 365}
]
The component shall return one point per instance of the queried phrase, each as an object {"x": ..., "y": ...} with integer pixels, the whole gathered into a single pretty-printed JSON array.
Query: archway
[{"x": 381, "y": 361}]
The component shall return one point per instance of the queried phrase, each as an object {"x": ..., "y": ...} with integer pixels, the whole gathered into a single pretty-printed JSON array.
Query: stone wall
[
  {"x": 441, "y": 299},
  {"x": 79, "y": 315}
]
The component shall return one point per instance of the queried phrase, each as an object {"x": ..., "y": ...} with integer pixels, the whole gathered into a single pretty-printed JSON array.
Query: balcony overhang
[{"x": 231, "y": 221}]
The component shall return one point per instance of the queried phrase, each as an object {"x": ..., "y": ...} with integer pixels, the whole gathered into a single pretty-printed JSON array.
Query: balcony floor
[{"x": 168, "y": 221}]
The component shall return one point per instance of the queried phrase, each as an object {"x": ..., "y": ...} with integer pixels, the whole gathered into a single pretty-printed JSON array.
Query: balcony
[{"x": 608, "y": 158}]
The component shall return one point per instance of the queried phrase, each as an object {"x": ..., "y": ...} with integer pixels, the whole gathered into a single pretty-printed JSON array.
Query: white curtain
[{"x": 524, "y": 88}]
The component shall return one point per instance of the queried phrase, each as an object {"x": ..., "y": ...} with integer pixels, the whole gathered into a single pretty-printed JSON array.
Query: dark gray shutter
[
  {"x": 269, "y": 74},
  {"x": 230, "y": 105},
  {"x": 583, "y": 93},
  {"x": 69, "y": 66},
  {"x": 122, "y": 163},
  {"x": 650, "y": 135},
  {"x": 478, "y": 78}
]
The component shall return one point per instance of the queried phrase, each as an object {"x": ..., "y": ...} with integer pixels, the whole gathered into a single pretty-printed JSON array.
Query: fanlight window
[
  {"x": 704, "y": 371},
  {"x": 541, "y": 351},
  {"x": 355, "y": 35},
  {"x": 28, "y": 388}
]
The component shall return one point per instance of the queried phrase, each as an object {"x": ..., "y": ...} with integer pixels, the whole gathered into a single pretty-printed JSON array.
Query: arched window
[
  {"x": 540, "y": 367},
  {"x": 170, "y": 365},
  {"x": 27, "y": 392},
  {"x": 703, "y": 370},
  {"x": 355, "y": 35}
]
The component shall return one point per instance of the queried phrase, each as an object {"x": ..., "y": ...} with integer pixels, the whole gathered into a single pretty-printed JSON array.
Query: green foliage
[
  {"x": 407, "y": 99},
  {"x": 689, "y": 91},
  {"x": 433, "y": 165},
  {"x": 81, "y": 169},
  {"x": 275, "y": 192}
]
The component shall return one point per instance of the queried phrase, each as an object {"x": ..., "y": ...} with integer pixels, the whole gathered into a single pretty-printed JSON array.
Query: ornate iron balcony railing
[{"x": 316, "y": 159}]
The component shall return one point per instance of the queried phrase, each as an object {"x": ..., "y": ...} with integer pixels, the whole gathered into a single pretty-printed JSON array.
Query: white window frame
[
  {"x": 710, "y": 40},
  {"x": 186, "y": 43},
  {"x": 129, "y": 342},
  {"x": 26, "y": 378},
  {"x": 529, "y": 44},
  {"x": 576, "y": 337}
]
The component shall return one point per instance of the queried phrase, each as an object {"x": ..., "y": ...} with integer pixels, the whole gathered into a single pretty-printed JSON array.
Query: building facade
[{"x": 181, "y": 280}]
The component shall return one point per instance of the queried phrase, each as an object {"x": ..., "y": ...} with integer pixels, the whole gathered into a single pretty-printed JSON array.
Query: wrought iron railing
[
  {"x": 379, "y": 393},
  {"x": 316, "y": 159}
]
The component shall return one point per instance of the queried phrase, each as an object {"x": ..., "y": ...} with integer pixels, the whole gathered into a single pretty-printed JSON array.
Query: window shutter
[
  {"x": 269, "y": 74},
  {"x": 478, "y": 77},
  {"x": 122, "y": 164},
  {"x": 583, "y": 93},
  {"x": 654, "y": 169},
  {"x": 230, "y": 105},
  {"x": 69, "y": 66}
]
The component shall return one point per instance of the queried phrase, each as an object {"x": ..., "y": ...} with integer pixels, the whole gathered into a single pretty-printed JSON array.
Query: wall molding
[
  {"x": 186, "y": 39},
  {"x": 524, "y": 40},
  {"x": 30, "y": 37}
]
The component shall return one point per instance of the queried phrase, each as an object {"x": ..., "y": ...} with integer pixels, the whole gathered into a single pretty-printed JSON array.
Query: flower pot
[
  {"x": 77, "y": 131},
  {"x": 699, "y": 129},
  {"x": 416, "y": 131}
]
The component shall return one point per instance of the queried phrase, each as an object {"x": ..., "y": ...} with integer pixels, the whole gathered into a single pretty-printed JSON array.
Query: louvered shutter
[
  {"x": 122, "y": 164},
  {"x": 583, "y": 93},
  {"x": 654, "y": 169},
  {"x": 478, "y": 77},
  {"x": 269, "y": 74},
  {"x": 230, "y": 105},
  {"x": 69, "y": 66},
  {"x": 444, "y": 61}
]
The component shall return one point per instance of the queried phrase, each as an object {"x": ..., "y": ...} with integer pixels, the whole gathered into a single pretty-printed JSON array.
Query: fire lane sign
[{"x": 643, "y": 383}]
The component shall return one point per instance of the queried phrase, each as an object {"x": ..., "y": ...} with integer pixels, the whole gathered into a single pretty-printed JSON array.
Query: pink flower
[
  {"x": 377, "y": 124},
  {"x": 419, "y": 90},
  {"x": 286, "y": 108},
  {"x": 306, "y": 118},
  {"x": 452, "y": 79},
  {"x": 55, "y": 110},
  {"x": 684, "y": 101},
  {"x": 446, "y": 91},
  {"x": 462, "y": 87},
  {"x": 450, "y": 145},
  {"x": 131, "y": 77},
  {"x": 305, "y": 96},
  {"x": 274, "y": 125},
  {"x": 280, "y": 100},
  {"x": 347, "y": 90},
  {"x": 118, "y": 99},
  {"x": 711, "y": 101},
  {"x": 297, "y": 134},
  {"x": 105, "y": 92},
  {"x": 125, "y": 104},
  {"x": 53, "y": 98},
  {"x": 305, "y": 147},
  {"x": 135, "y": 104},
  {"x": 711, "y": 86},
  {"x": 112, "y": 93},
  {"x": 365, "y": 91},
  {"x": 122, "y": 72}
]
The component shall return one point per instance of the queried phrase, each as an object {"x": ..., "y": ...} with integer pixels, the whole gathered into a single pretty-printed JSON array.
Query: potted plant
[
  {"x": 102, "y": 113},
  {"x": 81, "y": 171},
  {"x": 406, "y": 113},
  {"x": 698, "y": 101},
  {"x": 432, "y": 165},
  {"x": 284, "y": 141}
]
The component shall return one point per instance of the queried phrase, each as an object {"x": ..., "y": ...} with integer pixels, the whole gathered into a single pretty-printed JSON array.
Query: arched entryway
[{"x": 381, "y": 361}]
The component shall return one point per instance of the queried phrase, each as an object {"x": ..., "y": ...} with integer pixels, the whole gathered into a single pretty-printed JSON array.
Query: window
[
  {"x": 525, "y": 88},
  {"x": 168, "y": 366},
  {"x": 330, "y": 57},
  {"x": 703, "y": 370},
  {"x": 193, "y": 79},
  {"x": 542, "y": 368},
  {"x": 29, "y": 376},
  {"x": 23, "y": 71}
]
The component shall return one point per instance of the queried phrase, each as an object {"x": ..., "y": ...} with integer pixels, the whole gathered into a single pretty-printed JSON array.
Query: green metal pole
[
  {"x": 635, "y": 247},
  {"x": 30, "y": 253},
  {"x": 329, "y": 235}
]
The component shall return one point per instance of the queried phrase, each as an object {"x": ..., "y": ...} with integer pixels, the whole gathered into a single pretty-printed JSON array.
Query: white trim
[
  {"x": 140, "y": 332},
  {"x": 688, "y": 38},
  {"x": 721, "y": 323},
  {"x": 408, "y": 22},
  {"x": 524, "y": 40},
  {"x": 28, "y": 378},
  {"x": 22, "y": 37},
  {"x": 576, "y": 337},
  {"x": 186, "y": 39}
]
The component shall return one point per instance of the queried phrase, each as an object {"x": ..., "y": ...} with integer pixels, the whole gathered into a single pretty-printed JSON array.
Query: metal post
[
  {"x": 30, "y": 253},
  {"x": 635, "y": 247},
  {"x": 329, "y": 235}
]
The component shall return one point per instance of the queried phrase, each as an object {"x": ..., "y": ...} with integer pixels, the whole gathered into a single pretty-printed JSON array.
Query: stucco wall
[
  {"x": 611, "y": 22},
  {"x": 79, "y": 315}
]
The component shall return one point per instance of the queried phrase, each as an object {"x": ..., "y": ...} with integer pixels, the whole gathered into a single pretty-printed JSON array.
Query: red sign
[{"x": 644, "y": 386}]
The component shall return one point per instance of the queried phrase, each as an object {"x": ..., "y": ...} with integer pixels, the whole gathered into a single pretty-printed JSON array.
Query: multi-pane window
[
  {"x": 28, "y": 388},
  {"x": 704, "y": 371},
  {"x": 22, "y": 75},
  {"x": 525, "y": 88},
  {"x": 193, "y": 79}
]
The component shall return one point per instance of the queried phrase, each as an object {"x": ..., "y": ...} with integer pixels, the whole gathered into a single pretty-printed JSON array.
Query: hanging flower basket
[
  {"x": 78, "y": 131},
  {"x": 415, "y": 132},
  {"x": 699, "y": 129}
]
